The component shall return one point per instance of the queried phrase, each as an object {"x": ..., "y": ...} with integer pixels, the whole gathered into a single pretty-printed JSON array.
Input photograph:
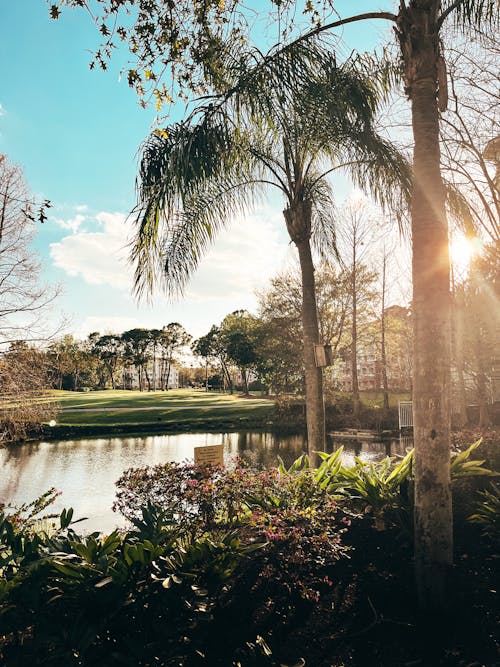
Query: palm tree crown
[{"x": 280, "y": 126}]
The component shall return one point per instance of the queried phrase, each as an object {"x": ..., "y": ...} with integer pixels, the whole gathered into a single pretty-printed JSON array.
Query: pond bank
[{"x": 65, "y": 431}]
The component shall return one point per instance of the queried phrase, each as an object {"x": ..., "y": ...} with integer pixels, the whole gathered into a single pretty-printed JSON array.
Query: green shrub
[
  {"x": 487, "y": 514},
  {"x": 124, "y": 598},
  {"x": 195, "y": 559}
]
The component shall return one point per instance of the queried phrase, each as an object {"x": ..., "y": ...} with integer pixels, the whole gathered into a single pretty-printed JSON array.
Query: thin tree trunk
[
  {"x": 111, "y": 376},
  {"x": 169, "y": 366},
  {"x": 245, "y": 381},
  {"x": 148, "y": 379},
  {"x": 458, "y": 325},
  {"x": 227, "y": 376},
  {"x": 162, "y": 372},
  {"x": 154, "y": 365},
  {"x": 2, "y": 214},
  {"x": 356, "y": 403},
  {"x": 385, "y": 384},
  {"x": 431, "y": 306},
  {"x": 481, "y": 348},
  {"x": 298, "y": 220}
]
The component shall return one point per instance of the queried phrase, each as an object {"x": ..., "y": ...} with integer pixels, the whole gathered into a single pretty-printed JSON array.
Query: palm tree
[
  {"x": 282, "y": 127},
  {"x": 419, "y": 26}
]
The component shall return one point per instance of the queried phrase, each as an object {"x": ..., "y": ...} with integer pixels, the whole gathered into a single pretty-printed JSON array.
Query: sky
[{"x": 76, "y": 134}]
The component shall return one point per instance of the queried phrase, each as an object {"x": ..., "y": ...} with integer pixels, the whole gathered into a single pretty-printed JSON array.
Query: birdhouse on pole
[{"x": 322, "y": 355}]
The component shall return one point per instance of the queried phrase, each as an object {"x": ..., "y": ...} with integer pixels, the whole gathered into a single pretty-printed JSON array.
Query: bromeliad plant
[
  {"x": 381, "y": 489},
  {"x": 487, "y": 514}
]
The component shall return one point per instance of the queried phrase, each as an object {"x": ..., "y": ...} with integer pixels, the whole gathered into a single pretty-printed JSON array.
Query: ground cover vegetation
[{"x": 234, "y": 566}]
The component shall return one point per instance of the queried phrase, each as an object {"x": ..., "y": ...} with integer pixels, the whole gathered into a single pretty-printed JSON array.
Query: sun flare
[{"x": 462, "y": 251}]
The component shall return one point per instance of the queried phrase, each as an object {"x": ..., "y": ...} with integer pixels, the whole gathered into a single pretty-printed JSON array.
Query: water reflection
[{"x": 85, "y": 471}]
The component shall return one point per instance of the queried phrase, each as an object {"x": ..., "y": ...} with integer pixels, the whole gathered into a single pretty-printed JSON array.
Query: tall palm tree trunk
[
  {"x": 481, "y": 346},
  {"x": 431, "y": 305},
  {"x": 298, "y": 221}
]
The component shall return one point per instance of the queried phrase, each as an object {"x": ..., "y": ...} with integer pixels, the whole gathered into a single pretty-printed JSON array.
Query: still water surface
[{"x": 85, "y": 471}]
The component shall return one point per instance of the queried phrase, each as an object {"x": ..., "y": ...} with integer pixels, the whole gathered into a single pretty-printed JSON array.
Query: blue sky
[{"x": 76, "y": 134}]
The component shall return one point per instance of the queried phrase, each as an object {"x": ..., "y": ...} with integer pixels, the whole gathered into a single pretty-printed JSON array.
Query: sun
[{"x": 462, "y": 251}]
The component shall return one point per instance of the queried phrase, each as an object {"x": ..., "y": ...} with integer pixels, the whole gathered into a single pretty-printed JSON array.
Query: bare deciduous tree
[
  {"x": 24, "y": 403},
  {"x": 24, "y": 300},
  {"x": 471, "y": 125},
  {"x": 24, "y": 304}
]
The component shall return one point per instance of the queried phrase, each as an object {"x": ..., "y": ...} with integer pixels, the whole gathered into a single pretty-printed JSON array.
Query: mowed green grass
[
  {"x": 375, "y": 399},
  {"x": 117, "y": 407}
]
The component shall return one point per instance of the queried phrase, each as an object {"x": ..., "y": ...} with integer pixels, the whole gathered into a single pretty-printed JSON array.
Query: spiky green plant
[{"x": 487, "y": 514}]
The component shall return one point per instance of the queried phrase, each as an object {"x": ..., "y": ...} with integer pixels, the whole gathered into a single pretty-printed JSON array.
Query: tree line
[{"x": 263, "y": 350}]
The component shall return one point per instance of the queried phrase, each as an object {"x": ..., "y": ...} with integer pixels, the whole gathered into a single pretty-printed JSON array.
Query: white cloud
[
  {"x": 81, "y": 208},
  {"x": 2, "y": 110},
  {"x": 100, "y": 258},
  {"x": 72, "y": 224},
  {"x": 242, "y": 259},
  {"x": 244, "y": 256}
]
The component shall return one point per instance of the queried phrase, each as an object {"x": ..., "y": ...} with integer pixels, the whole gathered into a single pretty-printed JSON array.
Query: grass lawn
[
  {"x": 375, "y": 399},
  {"x": 118, "y": 407}
]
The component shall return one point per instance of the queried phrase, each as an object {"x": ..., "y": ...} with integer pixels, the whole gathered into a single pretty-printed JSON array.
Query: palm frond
[
  {"x": 324, "y": 218},
  {"x": 168, "y": 260},
  {"x": 284, "y": 116},
  {"x": 384, "y": 69},
  {"x": 476, "y": 13},
  {"x": 382, "y": 171}
]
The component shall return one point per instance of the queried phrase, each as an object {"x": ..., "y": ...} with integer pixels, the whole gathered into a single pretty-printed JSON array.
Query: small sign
[{"x": 212, "y": 455}]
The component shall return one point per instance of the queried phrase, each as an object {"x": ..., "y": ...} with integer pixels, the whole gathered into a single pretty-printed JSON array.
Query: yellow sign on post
[{"x": 212, "y": 455}]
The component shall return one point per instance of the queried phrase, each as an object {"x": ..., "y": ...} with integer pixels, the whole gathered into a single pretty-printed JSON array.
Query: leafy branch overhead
[{"x": 185, "y": 48}]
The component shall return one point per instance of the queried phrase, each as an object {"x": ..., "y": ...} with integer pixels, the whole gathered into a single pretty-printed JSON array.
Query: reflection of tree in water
[
  {"x": 18, "y": 459},
  {"x": 262, "y": 449},
  {"x": 371, "y": 449}
]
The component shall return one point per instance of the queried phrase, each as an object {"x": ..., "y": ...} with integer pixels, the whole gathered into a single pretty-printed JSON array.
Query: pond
[{"x": 85, "y": 471}]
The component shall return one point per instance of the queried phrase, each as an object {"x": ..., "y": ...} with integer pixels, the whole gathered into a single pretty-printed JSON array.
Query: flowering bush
[
  {"x": 290, "y": 511},
  {"x": 203, "y": 497},
  {"x": 195, "y": 496}
]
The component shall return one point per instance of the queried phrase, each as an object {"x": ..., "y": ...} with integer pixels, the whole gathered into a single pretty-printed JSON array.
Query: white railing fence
[{"x": 405, "y": 410}]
